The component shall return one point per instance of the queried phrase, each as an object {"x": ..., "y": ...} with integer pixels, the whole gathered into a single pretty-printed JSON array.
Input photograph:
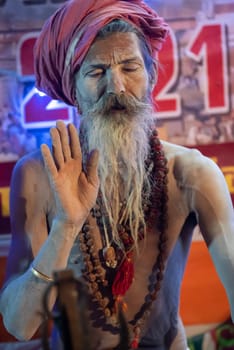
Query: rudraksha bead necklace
[{"x": 109, "y": 273}]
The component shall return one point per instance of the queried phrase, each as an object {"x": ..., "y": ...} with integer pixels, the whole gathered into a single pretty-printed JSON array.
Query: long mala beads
[
  {"x": 159, "y": 210},
  {"x": 108, "y": 288}
]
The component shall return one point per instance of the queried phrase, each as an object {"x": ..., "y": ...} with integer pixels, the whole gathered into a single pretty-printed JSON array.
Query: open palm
[{"x": 75, "y": 191}]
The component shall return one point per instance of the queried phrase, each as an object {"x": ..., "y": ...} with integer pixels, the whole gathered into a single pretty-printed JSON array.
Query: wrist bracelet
[{"x": 41, "y": 275}]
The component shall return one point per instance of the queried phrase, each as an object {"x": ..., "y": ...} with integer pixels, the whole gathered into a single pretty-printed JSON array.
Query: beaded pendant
[{"x": 96, "y": 276}]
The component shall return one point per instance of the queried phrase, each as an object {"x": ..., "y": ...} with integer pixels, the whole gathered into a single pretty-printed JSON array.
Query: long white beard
[{"x": 123, "y": 144}]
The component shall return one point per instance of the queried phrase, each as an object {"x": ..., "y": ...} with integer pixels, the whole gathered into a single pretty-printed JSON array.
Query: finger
[
  {"x": 92, "y": 168},
  {"x": 57, "y": 148},
  {"x": 74, "y": 142},
  {"x": 48, "y": 161},
  {"x": 64, "y": 139}
]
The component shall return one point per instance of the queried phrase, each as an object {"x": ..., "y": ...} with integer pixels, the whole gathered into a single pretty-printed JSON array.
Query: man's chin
[
  {"x": 115, "y": 116},
  {"x": 120, "y": 115},
  {"x": 118, "y": 110}
]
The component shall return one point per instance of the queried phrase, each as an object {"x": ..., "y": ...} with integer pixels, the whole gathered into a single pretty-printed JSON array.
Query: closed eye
[
  {"x": 93, "y": 73},
  {"x": 131, "y": 67}
]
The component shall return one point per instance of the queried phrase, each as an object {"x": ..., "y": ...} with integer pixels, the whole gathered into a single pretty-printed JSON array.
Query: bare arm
[
  {"x": 74, "y": 193},
  {"x": 209, "y": 198}
]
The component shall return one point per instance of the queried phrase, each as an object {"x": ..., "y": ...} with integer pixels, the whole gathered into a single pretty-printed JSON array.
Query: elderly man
[{"x": 114, "y": 204}]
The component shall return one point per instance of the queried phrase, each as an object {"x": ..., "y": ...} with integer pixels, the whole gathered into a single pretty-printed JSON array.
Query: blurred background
[{"x": 194, "y": 99}]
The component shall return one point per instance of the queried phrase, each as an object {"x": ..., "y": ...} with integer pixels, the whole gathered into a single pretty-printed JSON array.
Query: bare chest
[{"x": 148, "y": 267}]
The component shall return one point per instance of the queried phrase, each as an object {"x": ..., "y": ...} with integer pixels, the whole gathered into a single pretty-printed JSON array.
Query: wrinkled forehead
[{"x": 114, "y": 48}]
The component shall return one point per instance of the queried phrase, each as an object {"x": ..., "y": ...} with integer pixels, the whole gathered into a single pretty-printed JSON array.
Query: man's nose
[{"x": 115, "y": 82}]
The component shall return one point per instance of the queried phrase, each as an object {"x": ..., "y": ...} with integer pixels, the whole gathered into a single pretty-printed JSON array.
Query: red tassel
[
  {"x": 123, "y": 278},
  {"x": 134, "y": 344}
]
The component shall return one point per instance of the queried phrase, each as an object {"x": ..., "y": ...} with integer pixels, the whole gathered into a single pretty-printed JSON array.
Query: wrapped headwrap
[{"x": 68, "y": 34}]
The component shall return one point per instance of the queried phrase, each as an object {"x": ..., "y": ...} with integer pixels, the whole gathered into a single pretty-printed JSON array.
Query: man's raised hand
[{"x": 75, "y": 191}]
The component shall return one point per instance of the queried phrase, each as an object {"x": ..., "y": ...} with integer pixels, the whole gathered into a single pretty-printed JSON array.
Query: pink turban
[{"x": 67, "y": 36}]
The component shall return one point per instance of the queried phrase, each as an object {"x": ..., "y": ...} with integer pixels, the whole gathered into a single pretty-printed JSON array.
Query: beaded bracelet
[{"x": 41, "y": 275}]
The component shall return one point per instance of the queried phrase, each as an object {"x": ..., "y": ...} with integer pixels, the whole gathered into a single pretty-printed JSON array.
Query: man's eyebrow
[
  {"x": 131, "y": 59},
  {"x": 94, "y": 65}
]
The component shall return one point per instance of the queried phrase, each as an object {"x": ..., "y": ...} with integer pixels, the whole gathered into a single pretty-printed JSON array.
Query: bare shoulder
[
  {"x": 189, "y": 165},
  {"x": 31, "y": 160},
  {"x": 181, "y": 154},
  {"x": 29, "y": 174},
  {"x": 31, "y": 164}
]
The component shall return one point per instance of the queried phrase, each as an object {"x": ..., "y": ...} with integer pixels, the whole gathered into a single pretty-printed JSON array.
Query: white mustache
[{"x": 129, "y": 104}]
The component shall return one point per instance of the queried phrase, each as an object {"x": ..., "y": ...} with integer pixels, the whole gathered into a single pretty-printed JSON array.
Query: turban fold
[{"x": 68, "y": 34}]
